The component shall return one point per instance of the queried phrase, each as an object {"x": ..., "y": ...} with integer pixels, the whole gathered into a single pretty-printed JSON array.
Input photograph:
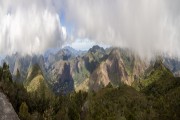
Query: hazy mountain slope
[
  {"x": 23, "y": 63},
  {"x": 172, "y": 64},
  {"x": 65, "y": 53}
]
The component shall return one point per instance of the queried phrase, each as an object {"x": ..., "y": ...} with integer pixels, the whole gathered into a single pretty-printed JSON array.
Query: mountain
[
  {"x": 65, "y": 53},
  {"x": 158, "y": 98},
  {"x": 78, "y": 69},
  {"x": 35, "y": 82},
  {"x": 23, "y": 63},
  {"x": 156, "y": 71},
  {"x": 83, "y": 67},
  {"x": 119, "y": 67},
  {"x": 90, "y": 70},
  {"x": 61, "y": 79},
  {"x": 102, "y": 83}
]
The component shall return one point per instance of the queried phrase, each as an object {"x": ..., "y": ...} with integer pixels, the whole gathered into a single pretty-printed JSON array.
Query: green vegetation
[
  {"x": 80, "y": 76},
  {"x": 128, "y": 60},
  {"x": 154, "y": 73},
  {"x": 158, "y": 98},
  {"x": 114, "y": 103},
  {"x": 37, "y": 106},
  {"x": 23, "y": 111}
]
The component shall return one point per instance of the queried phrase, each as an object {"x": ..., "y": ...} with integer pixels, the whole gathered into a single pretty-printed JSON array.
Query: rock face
[
  {"x": 119, "y": 67},
  {"x": 68, "y": 70},
  {"x": 6, "y": 110},
  {"x": 61, "y": 78}
]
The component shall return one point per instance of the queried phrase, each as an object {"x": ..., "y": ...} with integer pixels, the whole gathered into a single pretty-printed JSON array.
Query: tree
[
  {"x": 5, "y": 66},
  {"x": 6, "y": 73},
  {"x": 23, "y": 112}
]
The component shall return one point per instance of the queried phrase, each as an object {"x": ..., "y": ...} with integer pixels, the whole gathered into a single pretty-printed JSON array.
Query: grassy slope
[{"x": 36, "y": 84}]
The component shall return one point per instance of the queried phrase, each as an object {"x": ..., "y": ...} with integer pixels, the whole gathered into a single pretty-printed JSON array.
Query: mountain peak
[{"x": 96, "y": 48}]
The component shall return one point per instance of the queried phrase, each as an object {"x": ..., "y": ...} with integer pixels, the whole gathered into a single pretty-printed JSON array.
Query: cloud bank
[
  {"x": 148, "y": 27},
  {"x": 29, "y": 26}
]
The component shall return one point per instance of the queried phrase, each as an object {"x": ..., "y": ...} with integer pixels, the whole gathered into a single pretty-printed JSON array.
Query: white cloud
[
  {"x": 146, "y": 26},
  {"x": 82, "y": 44},
  {"x": 29, "y": 26}
]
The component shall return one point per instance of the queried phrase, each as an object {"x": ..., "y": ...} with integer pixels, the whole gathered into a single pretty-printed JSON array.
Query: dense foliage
[{"x": 158, "y": 98}]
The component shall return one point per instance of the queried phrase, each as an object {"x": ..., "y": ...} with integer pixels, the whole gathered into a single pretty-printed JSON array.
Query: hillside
[
  {"x": 35, "y": 82},
  {"x": 156, "y": 95},
  {"x": 120, "y": 67},
  {"x": 158, "y": 98}
]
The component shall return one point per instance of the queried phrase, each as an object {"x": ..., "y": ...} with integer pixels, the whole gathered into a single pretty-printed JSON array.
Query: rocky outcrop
[
  {"x": 62, "y": 80},
  {"x": 6, "y": 110},
  {"x": 119, "y": 67}
]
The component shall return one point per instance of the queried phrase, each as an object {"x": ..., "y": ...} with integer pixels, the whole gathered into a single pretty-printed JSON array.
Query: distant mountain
[
  {"x": 65, "y": 53},
  {"x": 79, "y": 69},
  {"x": 68, "y": 69}
]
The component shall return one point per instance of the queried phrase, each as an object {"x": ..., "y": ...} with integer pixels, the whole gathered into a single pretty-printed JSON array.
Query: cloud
[
  {"x": 29, "y": 26},
  {"x": 148, "y": 27}
]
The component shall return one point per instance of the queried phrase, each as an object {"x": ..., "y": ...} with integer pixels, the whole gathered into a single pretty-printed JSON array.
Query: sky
[{"x": 148, "y": 27}]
